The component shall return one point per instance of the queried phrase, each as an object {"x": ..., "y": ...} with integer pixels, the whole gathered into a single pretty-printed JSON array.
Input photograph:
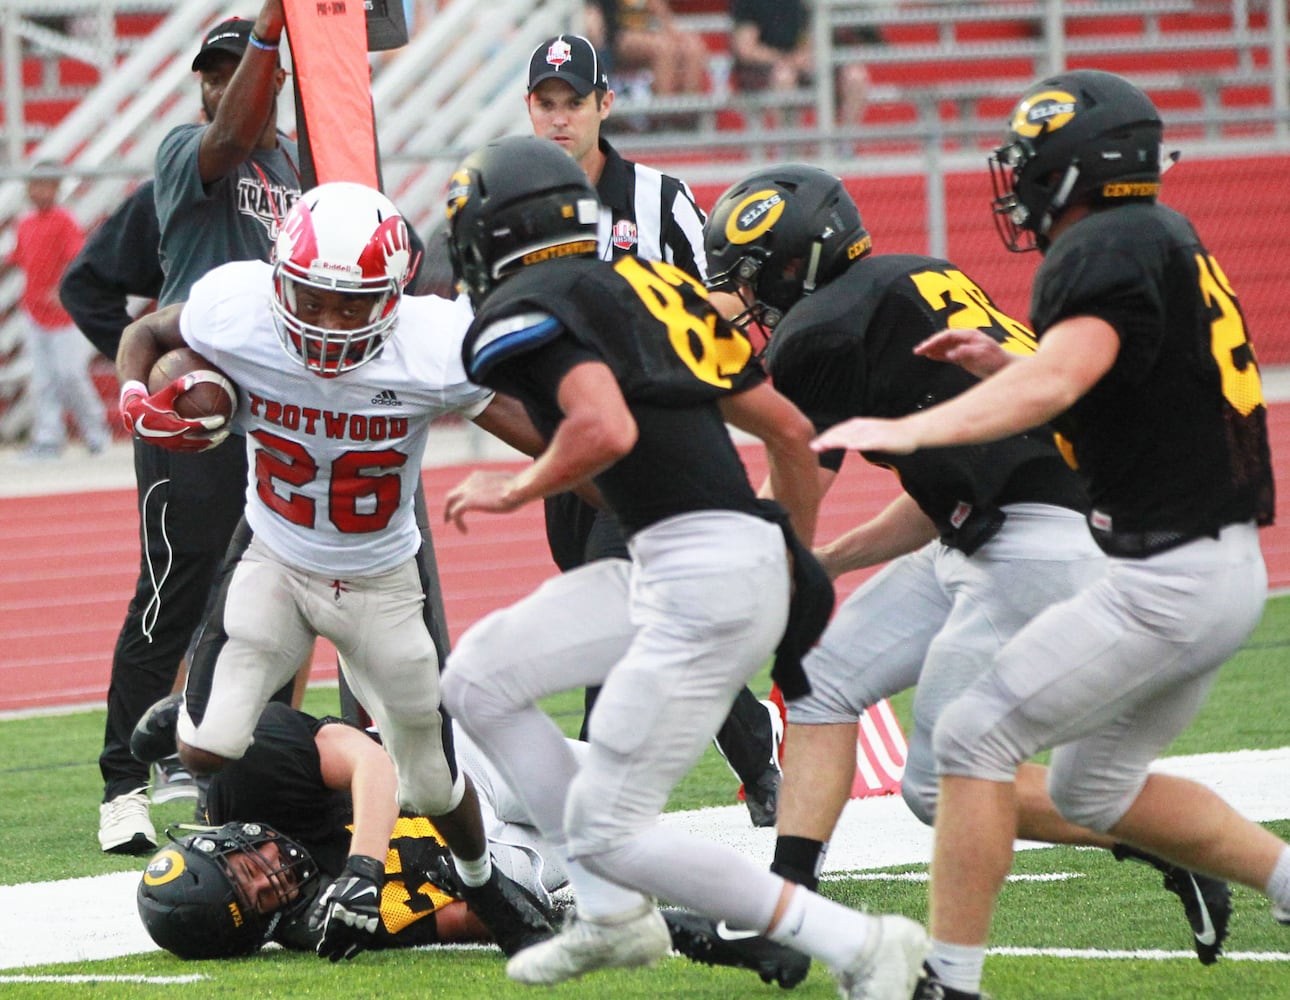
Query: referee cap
[{"x": 570, "y": 58}]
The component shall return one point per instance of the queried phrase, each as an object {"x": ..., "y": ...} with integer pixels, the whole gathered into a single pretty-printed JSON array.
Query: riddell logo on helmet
[
  {"x": 1131, "y": 189},
  {"x": 236, "y": 913}
]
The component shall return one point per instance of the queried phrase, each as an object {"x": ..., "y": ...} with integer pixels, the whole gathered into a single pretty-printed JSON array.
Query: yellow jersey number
[
  {"x": 971, "y": 309},
  {"x": 713, "y": 354},
  {"x": 1228, "y": 340}
]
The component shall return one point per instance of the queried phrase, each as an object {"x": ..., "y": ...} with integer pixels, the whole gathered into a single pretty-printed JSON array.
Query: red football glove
[{"x": 153, "y": 419}]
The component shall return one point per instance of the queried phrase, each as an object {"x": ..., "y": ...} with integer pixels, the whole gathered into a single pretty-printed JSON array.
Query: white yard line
[{"x": 96, "y": 917}]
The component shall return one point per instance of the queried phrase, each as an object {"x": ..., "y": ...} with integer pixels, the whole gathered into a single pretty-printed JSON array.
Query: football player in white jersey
[{"x": 336, "y": 411}]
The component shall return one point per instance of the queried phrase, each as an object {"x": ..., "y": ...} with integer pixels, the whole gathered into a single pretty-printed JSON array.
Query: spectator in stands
[
  {"x": 48, "y": 238},
  {"x": 771, "y": 49},
  {"x": 645, "y": 33}
]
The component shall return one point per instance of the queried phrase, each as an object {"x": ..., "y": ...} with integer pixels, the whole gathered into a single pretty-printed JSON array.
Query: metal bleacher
[{"x": 947, "y": 71}]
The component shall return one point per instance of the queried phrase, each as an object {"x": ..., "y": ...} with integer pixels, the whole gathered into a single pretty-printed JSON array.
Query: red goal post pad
[
  {"x": 881, "y": 749},
  {"x": 334, "y": 84}
]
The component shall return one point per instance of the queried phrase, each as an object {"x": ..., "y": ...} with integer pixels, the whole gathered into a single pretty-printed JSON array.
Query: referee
[{"x": 649, "y": 214}]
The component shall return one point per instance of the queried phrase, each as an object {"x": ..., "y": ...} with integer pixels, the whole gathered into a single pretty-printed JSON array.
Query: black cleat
[
  {"x": 1206, "y": 901},
  {"x": 929, "y": 987},
  {"x": 514, "y": 915},
  {"x": 154, "y": 735},
  {"x": 702, "y": 940},
  {"x": 762, "y": 798}
]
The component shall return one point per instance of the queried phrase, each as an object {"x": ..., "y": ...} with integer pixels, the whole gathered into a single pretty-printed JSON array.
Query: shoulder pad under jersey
[{"x": 511, "y": 335}]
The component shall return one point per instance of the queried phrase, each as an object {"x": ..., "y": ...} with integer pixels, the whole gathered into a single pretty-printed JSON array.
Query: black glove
[{"x": 349, "y": 912}]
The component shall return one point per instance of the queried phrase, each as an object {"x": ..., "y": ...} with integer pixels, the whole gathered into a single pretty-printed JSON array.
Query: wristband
[
  {"x": 365, "y": 867},
  {"x": 262, "y": 44}
]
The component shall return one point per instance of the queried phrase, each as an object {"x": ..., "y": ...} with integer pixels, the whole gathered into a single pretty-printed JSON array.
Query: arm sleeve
[{"x": 119, "y": 259}]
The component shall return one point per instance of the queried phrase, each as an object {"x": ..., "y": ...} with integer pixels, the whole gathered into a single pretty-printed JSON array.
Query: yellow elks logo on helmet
[
  {"x": 165, "y": 867},
  {"x": 458, "y": 192},
  {"x": 754, "y": 216},
  {"x": 1046, "y": 111}
]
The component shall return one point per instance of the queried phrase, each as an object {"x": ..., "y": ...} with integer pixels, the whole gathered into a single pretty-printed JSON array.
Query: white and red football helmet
[{"x": 340, "y": 237}]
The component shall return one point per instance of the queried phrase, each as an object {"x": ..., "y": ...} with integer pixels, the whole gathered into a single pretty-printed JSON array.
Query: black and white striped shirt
[{"x": 648, "y": 214}]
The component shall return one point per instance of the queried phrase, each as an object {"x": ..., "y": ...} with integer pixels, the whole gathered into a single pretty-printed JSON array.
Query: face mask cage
[
  {"x": 287, "y": 876},
  {"x": 330, "y": 352},
  {"x": 1010, "y": 216},
  {"x": 741, "y": 280}
]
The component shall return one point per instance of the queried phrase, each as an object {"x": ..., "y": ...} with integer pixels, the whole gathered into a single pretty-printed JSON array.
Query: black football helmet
[
  {"x": 517, "y": 201},
  {"x": 193, "y": 906},
  {"x": 1083, "y": 137},
  {"x": 779, "y": 234}
]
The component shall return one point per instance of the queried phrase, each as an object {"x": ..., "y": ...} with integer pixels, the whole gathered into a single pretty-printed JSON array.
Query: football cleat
[
  {"x": 171, "y": 781},
  {"x": 1281, "y": 914},
  {"x": 637, "y": 937},
  {"x": 931, "y": 988},
  {"x": 762, "y": 798},
  {"x": 516, "y": 918},
  {"x": 1206, "y": 901},
  {"x": 703, "y": 940},
  {"x": 890, "y": 962},
  {"x": 761, "y": 792}
]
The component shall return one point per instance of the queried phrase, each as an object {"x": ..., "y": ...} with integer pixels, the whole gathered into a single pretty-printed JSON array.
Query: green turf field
[{"x": 50, "y": 787}]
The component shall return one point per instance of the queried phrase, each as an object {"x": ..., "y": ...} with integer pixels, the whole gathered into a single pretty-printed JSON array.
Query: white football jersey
[{"x": 334, "y": 462}]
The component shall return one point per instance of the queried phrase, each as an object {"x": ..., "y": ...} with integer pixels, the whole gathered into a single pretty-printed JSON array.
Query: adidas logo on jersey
[{"x": 386, "y": 397}]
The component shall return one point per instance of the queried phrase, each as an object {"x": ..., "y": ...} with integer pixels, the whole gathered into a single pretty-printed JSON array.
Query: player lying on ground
[{"x": 308, "y": 784}]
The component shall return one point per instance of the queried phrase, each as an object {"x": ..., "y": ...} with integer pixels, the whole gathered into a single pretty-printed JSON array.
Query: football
[{"x": 210, "y": 393}]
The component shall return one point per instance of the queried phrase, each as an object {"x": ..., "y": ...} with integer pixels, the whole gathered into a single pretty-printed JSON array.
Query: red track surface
[{"x": 68, "y": 563}]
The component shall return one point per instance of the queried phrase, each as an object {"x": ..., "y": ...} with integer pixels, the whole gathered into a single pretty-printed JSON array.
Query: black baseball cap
[
  {"x": 570, "y": 58},
  {"x": 230, "y": 37}
]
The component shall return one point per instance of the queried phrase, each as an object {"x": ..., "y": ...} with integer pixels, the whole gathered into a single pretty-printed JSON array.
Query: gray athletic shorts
[
  {"x": 1111, "y": 676},
  {"x": 937, "y": 618}
]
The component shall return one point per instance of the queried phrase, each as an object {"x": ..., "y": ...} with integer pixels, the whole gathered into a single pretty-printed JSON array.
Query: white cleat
[
  {"x": 637, "y": 937},
  {"x": 889, "y": 964}
]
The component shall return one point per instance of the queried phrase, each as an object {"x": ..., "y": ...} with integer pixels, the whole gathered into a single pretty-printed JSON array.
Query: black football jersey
[
  {"x": 279, "y": 782},
  {"x": 673, "y": 358},
  {"x": 1172, "y": 441},
  {"x": 848, "y": 351}
]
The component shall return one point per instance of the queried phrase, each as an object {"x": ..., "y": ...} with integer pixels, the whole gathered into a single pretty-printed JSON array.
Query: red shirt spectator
[{"x": 48, "y": 239}]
